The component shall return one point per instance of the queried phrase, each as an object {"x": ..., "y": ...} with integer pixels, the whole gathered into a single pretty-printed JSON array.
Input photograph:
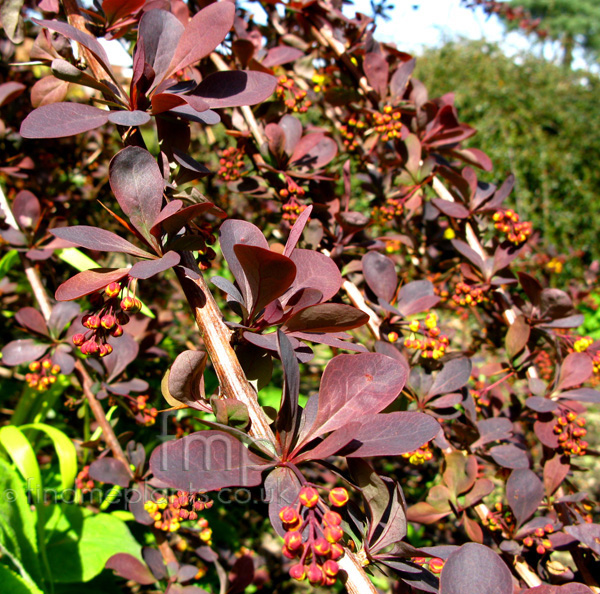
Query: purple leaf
[
  {"x": 89, "y": 281},
  {"x": 63, "y": 358},
  {"x": 524, "y": 493},
  {"x": 475, "y": 569},
  {"x": 130, "y": 568},
  {"x": 453, "y": 376},
  {"x": 281, "y": 488},
  {"x": 187, "y": 112},
  {"x": 235, "y": 232},
  {"x": 149, "y": 268},
  {"x": 415, "y": 297},
  {"x": 94, "y": 238},
  {"x": 555, "y": 472},
  {"x": 89, "y": 42},
  {"x": 22, "y": 351},
  {"x": 293, "y": 132},
  {"x": 380, "y": 275},
  {"x": 581, "y": 394},
  {"x": 62, "y": 314},
  {"x": 111, "y": 471},
  {"x": 540, "y": 404},
  {"x": 281, "y": 54},
  {"x": 58, "y": 120},
  {"x": 356, "y": 385},
  {"x": 575, "y": 369},
  {"x": 186, "y": 382},
  {"x": 137, "y": 183},
  {"x": 571, "y": 588},
  {"x": 268, "y": 275},
  {"x": 160, "y": 32},
  {"x": 314, "y": 151},
  {"x": 314, "y": 271},
  {"x": 31, "y": 318},
  {"x": 202, "y": 35},
  {"x": 125, "y": 351},
  {"x": 493, "y": 429},
  {"x": 329, "y": 339},
  {"x": 124, "y": 388},
  {"x": 296, "y": 231},
  {"x": 377, "y": 71},
  {"x": 129, "y": 118},
  {"x": 509, "y": 456},
  {"x": 587, "y": 534},
  {"x": 234, "y": 89},
  {"x": 206, "y": 461},
  {"x": 401, "y": 77},
  {"x": 140, "y": 493},
  {"x": 154, "y": 561},
  {"x": 327, "y": 317},
  {"x": 392, "y": 434},
  {"x": 517, "y": 337},
  {"x": 27, "y": 210},
  {"x": 9, "y": 91},
  {"x": 288, "y": 410},
  {"x": 174, "y": 222}
]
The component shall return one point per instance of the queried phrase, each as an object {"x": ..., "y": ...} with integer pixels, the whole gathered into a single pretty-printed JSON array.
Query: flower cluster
[
  {"x": 544, "y": 365},
  {"x": 582, "y": 344},
  {"x": 351, "y": 131},
  {"x": 539, "y": 540},
  {"x": 313, "y": 534},
  {"x": 293, "y": 97},
  {"x": 84, "y": 482},
  {"x": 419, "y": 456},
  {"x": 508, "y": 222},
  {"x": 169, "y": 512},
  {"x": 292, "y": 210},
  {"x": 42, "y": 374},
  {"x": 384, "y": 214},
  {"x": 108, "y": 320},
  {"x": 232, "y": 164},
  {"x": 387, "y": 122},
  {"x": 571, "y": 430},
  {"x": 465, "y": 294},
  {"x": 143, "y": 413},
  {"x": 433, "y": 344},
  {"x": 501, "y": 519}
]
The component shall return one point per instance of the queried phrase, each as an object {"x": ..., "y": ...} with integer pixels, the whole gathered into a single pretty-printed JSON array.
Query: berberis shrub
[{"x": 380, "y": 395}]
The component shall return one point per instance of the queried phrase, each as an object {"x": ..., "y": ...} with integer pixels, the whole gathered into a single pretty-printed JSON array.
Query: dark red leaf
[
  {"x": 493, "y": 429},
  {"x": 380, "y": 274},
  {"x": 268, "y": 275},
  {"x": 452, "y": 209},
  {"x": 186, "y": 381},
  {"x": 202, "y": 35},
  {"x": 94, "y": 238},
  {"x": 235, "y": 88},
  {"x": 27, "y": 210},
  {"x": 453, "y": 376},
  {"x": 524, "y": 493},
  {"x": 475, "y": 569},
  {"x": 137, "y": 183},
  {"x": 281, "y": 54},
  {"x": 125, "y": 351},
  {"x": 118, "y": 9},
  {"x": 314, "y": 151},
  {"x": 392, "y": 434},
  {"x": 517, "y": 336},
  {"x": 296, "y": 231},
  {"x": 575, "y": 369},
  {"x": 509, "y": 456},
  {"x": 281, "y": 488},
  {"x": 58, "y": 120},
  {"x": 327, "y": 317},
  {"x": 353, "y": 386},
  {"x": 9, "y": 91},
  {"x": 206, "y": 461},
  {"x": 400, "y": 78},
  {"x": 130, "y": 568},
  {"x": 31, "y": 318},
  {"x": 22, "y": 351},
  {"x": 62, "y": 315},
  {"x": 89, "y": 281},
  {"x": 415, "y": 297},
  {"x": 377, "y": 71},
  {"x": 149, "y": 268},
  {"x": 110, "y": 470},
  {"x": 293, "y": 132},
  {"x": 587, "y": 534},
  {"x": 555, "y": 472}
]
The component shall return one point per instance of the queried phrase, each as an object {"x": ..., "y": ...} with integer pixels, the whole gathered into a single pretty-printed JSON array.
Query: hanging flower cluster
[
  {"x": 507, "y": 221},
  {"x": 84, "y": 482},
  {"x": 387, "y": 122},
  {"x": 232, "y": 164},
  {"x": 571, "y": 430},
  {"x": 433, "y": 343},
  {"x": 42, "y": 374},
  {"x": 169, "y": 512},
  {"x": 468, "y": 295},
  {"x": 539, "y": 540},
  {"x": 352, "y": 131},
  {"x": 143, "y": 413},
  {"x": 108, "y": 319},
  {"x": 384, "y": 214},
  {"x": 419, "y": 456},
  {"x": 435, "y": 564},
  {"x": 313, "y": 534},
  {"x": 294, "y": 98},
  {"x": 292, "y": 210}
]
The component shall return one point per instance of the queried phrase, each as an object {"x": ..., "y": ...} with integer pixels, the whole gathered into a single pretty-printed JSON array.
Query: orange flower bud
[
  {"x": 337, "y": 551},
  {"x": 333, "y": 533},
  {"x": 298, "y": 572},
  {"x": 314, "y": 574},
  {"x": 332, "y": 518},
  {"x": 338, "y": 496},
  {"x": 309, "y": 497},
  {"x": 322, "y": 546},
  {"x": 293, "y": 540},
  {"x": 436, "y": 565},
  {"x": 330, "y": 568}
]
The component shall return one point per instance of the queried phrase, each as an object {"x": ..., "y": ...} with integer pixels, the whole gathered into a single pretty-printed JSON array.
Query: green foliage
[{"x": 536, "y": 120}]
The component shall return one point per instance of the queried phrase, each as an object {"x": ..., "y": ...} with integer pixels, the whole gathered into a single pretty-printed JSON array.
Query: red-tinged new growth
[
  {"x": 507, "y": 221},
  {"x": 42, "y": 374},
  {"x": 169, "y": 512},
  {"x": 106, "y": 321},
  {"x": 313, "y": 534},
  {"x": 433, "y": 344}
]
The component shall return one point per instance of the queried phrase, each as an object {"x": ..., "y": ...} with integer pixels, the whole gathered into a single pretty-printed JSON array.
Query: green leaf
[
  {"x": 80, "y": 546},
  {"x": 8, "y": 261},
  {"x": 22, "y": 454},
  {"x": 65, "y": 450},
  {"x": 18, "y": 521},
  {"x": 78, "y": 260},
  {"x": 13, "y": 583}
]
